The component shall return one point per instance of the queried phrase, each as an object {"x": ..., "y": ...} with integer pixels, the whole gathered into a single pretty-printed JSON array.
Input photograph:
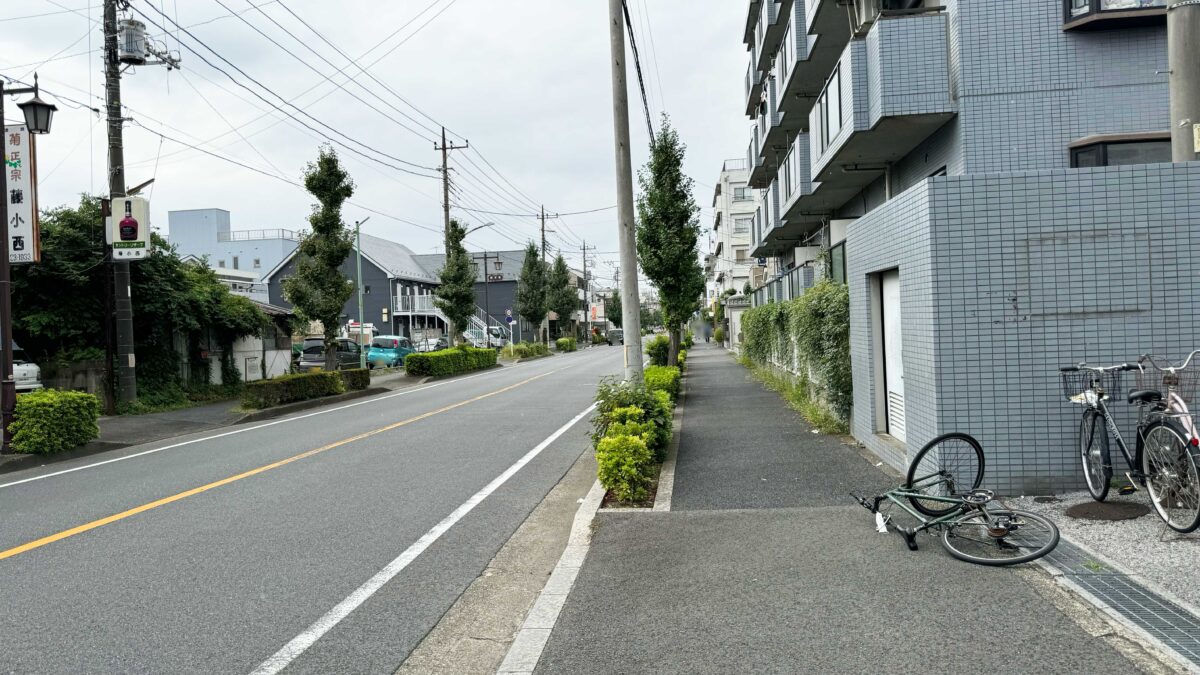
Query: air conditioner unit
[{"x": 131, "y": 42}]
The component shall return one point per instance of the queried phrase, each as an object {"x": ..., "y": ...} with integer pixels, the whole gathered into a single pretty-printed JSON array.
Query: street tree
[
  {"x": 612, "y": 308},
  {"x": 456, "y": 293},
  {"x": 319, "y": 290},
  {"x": 531, "y": 288},
  {"x": 561, "y": 297},
  {"x": 668, "y": 231}
]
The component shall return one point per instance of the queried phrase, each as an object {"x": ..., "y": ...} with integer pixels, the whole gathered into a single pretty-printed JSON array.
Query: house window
[
  {"x": 221, "y": 264},
  {"x": 235, "y": 262},
  {"x": 837, "y": 263},
  {"x": 742, "y": 225},
  {"x": 739, "y": 254},
  {"x": 257, "y": 263},
  {"x": 1118, "y": 153},
  {"x": 742, "y": 194}
]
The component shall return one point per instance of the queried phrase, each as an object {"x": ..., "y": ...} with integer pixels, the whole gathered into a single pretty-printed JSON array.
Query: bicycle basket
[
  {"x": 1185, "y": 383},
  {"x": 1076, "y": 383}
]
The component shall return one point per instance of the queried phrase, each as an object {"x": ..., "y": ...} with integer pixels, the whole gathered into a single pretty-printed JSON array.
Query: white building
[
  {"x": 728, "y": 263},
  {"x": 205, "y": 233}
]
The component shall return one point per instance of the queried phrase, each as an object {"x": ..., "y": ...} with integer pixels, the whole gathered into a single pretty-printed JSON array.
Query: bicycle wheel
[
  {"x": 1093, "y": 450},
  {"x": 1172, "y": 475},
  {"x": 1000, "y": 537},
  {"x": 947, "y": 466}
]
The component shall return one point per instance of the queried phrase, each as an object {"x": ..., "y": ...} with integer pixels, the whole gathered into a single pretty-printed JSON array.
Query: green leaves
[
  {"x": 531, "y": 298},
  {"x": 456, "y": 294},
  {"x": 613, "y": 309},
  {"x": 48, "y": 421},
  {"x": 561, "y": 297}
]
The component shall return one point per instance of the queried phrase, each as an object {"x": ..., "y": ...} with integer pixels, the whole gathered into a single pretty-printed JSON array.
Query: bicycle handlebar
[
  {"x": 1099, "y": 369},
  {"x": 1149, "y": 358}
]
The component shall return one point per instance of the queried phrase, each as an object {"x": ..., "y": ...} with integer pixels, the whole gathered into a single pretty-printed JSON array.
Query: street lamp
[{"x": 38, "y": 115}]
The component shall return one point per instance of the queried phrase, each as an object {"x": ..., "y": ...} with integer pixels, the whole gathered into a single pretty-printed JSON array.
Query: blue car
[{"x": 388, "y": 351}]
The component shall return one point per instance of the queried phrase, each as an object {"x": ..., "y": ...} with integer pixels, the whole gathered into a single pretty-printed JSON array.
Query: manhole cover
[{"x": 1108, "y": 510}]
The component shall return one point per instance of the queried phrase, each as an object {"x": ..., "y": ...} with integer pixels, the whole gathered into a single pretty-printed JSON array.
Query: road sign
[
  {"x": 20, "y": 170},
  {"x": 508, "y": 320},
  {"x": 508, "y": 312},
  {"x": 129, "y": 228}
]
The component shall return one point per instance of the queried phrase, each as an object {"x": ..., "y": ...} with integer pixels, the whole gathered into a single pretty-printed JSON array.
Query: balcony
[
  {"x": 760, "y": 174},
  {"x": 767, "y": 224},
  {"x": 753, "y": 86},
  {"x": 258, "y": 235},
  {"x": 768, "y": 32},
  {"x": 817, "y": 53},
  {"x": 888, "y": 93},
  {"x": 751, "y": 22},
  {"x": 1107, "y": 14}
]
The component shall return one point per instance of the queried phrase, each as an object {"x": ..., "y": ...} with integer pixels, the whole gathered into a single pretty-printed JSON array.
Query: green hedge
[
  {"x": 662, "y": 378},
  {"x": 719, "y": 335},
  {"x": 657, "y": 350},
  {"x": 599, "y": 339},
  {"x": 461, "y": 359},
  {"x": 620, "y": 403},
  {"x": 525, "y": 350},
  {"x": 681, "y": 358},
  {"x": 566, "y": 344},
  {"x": 292, "y": 388},
  {"x": 625, "y": 467},
  {"x": 689, "y": 339},
  {"x": 357, "y": 379},
  {"x": 809, "y": 335},
  {"x": 49, "y": 421}
]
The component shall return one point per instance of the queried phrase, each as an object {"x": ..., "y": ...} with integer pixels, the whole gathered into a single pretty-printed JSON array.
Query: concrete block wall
[{"x": 1006, "y": 277}]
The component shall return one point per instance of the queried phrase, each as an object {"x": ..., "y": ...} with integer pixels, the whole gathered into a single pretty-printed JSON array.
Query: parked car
[
  {"x": 27, "y": 374},
  {"x": 616, "y": 336},
  {"x": 388, "y": 351},
  {"x": 432, "y": 344},
  {"x": 313, "y": 355}
]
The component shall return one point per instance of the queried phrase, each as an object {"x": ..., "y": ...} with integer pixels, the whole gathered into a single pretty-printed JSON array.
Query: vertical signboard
[
  {"x": 20, "y": 193},
  {"x": 129, "y": 228}
]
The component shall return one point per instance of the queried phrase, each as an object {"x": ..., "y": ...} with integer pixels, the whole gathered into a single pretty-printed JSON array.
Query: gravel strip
[{"x": 1158, "y": 557}]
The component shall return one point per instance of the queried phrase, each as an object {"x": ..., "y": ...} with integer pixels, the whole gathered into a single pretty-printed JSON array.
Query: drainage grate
[{"x": 1175, "y": 626}]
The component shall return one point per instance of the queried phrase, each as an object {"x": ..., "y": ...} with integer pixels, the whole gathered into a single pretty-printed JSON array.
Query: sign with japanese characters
[
  {"x": 129, "y": 228},
  {"x": 20, "y": 195}
]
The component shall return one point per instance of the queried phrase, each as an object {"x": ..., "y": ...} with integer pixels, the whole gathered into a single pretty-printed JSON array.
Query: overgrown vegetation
[
  {"x": 657, "y": 349},
  {"x": 49, "y": 421},
  {"x": 809, "y": 335}
]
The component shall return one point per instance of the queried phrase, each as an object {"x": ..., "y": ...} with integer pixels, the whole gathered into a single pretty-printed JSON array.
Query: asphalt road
[{"x": 212, "y": 553}]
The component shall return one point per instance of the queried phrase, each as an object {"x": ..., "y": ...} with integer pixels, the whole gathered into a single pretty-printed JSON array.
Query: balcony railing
[
  {"x": 737, "y": 164},
  {"x": 1105, "y": 14},
  {"x": 257, "y": 235},
  {"x": 413, "y": 304}
]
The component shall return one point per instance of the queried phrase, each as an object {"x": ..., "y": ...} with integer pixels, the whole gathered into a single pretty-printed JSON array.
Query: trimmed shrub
[
  {"x": 662, "y": 378},
  {"x": 292, "y": 388},
  {"x": 719, "y": 335},
  {"x": 357, "y": 379},
  {"x": 525, "y": 350},
  {"x": 681, "y": 359},
  {"x": 689, "y": 339},
  {"x": 626, "y": 467},
  {"x": 657, "y": 349},
  {"x": 566, "y": 344},
  {"x": 598, "y": 339},
  {"x": 461, "y": 359},
  {"x": 620, "y": 403},
  {"x": 50, "y": 420}
]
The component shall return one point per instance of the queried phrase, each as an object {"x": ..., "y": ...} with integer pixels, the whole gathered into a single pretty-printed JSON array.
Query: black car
[
  {"x": 312, "y": 356},
  {"x": 616, "y": 336}
]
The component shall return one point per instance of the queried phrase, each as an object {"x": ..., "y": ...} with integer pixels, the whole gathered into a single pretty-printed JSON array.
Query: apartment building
[
  {"x": 728, "y": 263},
  {"x": 992, "y": 181},
  {"x": 206, "y": 234}
]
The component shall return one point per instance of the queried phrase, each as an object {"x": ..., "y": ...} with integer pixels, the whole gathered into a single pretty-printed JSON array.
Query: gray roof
[
  {"x": 510, "y": 269},
  {"x": 396, "y": 259}
]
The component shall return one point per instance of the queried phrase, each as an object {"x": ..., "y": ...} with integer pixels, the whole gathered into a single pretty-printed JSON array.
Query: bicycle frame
[{"x": 900, "y": 495}]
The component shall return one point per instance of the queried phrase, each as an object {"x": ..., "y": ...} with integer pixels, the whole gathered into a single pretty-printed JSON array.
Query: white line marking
[
  {"x": 285, "y": 420},
  {"x": 303, "y": 641}
]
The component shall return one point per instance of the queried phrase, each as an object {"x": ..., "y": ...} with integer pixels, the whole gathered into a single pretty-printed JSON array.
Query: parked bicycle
[
  {"x": 941, "y": 491},
  {"x": 1164, "y": 459}
]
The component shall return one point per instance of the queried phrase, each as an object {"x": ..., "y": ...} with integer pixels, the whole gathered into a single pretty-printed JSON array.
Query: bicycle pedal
[{"x": 1127, "y": 489}]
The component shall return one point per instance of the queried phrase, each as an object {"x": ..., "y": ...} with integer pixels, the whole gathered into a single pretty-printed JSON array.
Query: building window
[
  {"x": 221, "y": 264},
  {"x": 1117, "y": 153},
  {"x": 742, "y": 225},
  {"x": 829, "y": 109},
  {"x": 257, "y": 263},
  {"x": 837, "y": 263},
  {"x": 740, "y": 254},
  {"x": 742, "y": 194},
  {"x": 235, "y": 262}
]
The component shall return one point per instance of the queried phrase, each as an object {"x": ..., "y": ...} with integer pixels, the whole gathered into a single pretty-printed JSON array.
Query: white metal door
[{"x": 892, "y": 350}]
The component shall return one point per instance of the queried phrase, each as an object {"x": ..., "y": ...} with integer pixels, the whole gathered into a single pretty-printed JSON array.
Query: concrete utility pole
[
  {"x": 626, "y": 237},
  {"x": 123, "y": 314},
  {"x": 362, "y": 352},
  {"x": 445, "y": 148},
  {"x": 1183, "y": 63},
  {"x": 587, "y": 299}
]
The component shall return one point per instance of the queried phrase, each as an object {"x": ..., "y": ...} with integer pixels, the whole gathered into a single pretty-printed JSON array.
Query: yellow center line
[{"x": 58, "y": 536}]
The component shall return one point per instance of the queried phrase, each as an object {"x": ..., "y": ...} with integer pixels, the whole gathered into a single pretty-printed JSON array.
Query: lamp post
[
  {"x": 362, "y": 354},
  {"x": 38, "y": 115},
  {"x": 487, "y": 303}
]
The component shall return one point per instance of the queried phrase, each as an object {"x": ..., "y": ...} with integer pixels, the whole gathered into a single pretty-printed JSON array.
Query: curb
[
  {"x": 526, "y": 650},
  {"x": 666, "y": 475},
  {"x": 280, "y": 411}
]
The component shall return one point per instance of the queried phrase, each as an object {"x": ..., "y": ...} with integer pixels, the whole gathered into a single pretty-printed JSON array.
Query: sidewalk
[{"x": 765, "y": 565}]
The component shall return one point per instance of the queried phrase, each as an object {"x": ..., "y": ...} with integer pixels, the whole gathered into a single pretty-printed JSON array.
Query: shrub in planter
[
  {"x": 292, "y": 388},
  {"x": 357, "y": 379},
  {"x": 681, "y": 359},
  {"x": 657, "y": 349},
  {"x": 598, "y": 339},
  {"x": 626, "y": 467},
  {"x": 689, "y": 339},
  {"x": 566, "y": 344},
  {"x": 461, "y": 359},
  {"x": 662, "y": 378},
  {"x": 49, "y": 421},
  {"x": 719, "y": 335}
]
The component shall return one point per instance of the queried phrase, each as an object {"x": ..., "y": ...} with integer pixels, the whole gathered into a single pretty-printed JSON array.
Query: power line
[
  {"x": 662, "y": 101},
  {"x": 38, "y": 16},
  {"x": 637, "y": 62}
]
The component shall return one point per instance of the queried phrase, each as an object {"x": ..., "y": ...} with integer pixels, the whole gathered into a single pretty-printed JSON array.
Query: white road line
[
  {"x": 373, "y": 399},
  {"x": 303, "y": 641}
]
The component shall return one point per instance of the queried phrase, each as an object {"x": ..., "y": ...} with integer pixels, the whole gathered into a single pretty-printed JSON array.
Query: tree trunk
[
  {"x": 331, "y": 358},
  {"x": 673, "y": 346}
]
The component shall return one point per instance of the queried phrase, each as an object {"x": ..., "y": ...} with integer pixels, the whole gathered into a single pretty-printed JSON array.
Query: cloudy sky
[{"x": 526, "y": 82}]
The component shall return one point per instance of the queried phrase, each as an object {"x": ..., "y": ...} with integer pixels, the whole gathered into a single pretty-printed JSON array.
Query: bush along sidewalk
[
  {"x": 525, "y": 350},
  {"x": 631, "y": 432},
  {"x": 293, "y": 388},
  {"x": 461, "y": 359},
  {"x": 50, "y": 421},
  {"x": 657, "y": 349},
  {"x": 566, "y": 344}
]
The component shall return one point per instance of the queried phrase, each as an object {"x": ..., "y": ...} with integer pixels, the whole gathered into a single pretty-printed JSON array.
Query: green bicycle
[{"x": 942, "y": 492}]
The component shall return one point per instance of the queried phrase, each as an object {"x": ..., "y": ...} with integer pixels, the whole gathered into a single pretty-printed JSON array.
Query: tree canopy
[
  {"x": 561, "y": 296},
  {"x": 456, "y": 293},
  {"x": 531, "y": 287},
  {"x": 613, "y": 309}
]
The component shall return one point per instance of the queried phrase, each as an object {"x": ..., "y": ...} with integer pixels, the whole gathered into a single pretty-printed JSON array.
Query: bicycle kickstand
[{"x": 910, "y": 537}]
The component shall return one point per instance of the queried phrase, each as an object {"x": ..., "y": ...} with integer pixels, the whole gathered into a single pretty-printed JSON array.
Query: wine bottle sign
[{"x": 129, "y": 228}]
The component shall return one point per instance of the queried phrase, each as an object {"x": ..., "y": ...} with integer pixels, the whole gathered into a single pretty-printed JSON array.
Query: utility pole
[
  {"x": 545, "y": 327},
  {"x": 362, "y": 352},
  {"x": 626, "y": 237},
  {"x": 446, "y": 148},
  {"x": 123, "y": 314},
  {"x": 587, "y": 298},
  {"x": 1183, "y": 64}
]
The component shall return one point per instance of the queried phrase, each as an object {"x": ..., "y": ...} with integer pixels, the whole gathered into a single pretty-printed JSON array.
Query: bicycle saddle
[
  {"x": 978, "y": 496},
  {"x": 1144, "y": 396}
]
